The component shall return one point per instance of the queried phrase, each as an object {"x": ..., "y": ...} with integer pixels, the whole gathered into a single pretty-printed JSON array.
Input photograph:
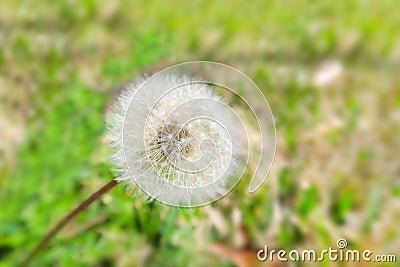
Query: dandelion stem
[{"x": 81, "y": 207}]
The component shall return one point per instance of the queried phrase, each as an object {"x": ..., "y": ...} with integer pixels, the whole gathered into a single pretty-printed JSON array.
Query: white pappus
[{"x": 175, "y": 139}]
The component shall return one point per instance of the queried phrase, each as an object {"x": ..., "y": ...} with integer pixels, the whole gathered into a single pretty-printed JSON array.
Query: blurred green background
[{"x": 329, "y": 69}]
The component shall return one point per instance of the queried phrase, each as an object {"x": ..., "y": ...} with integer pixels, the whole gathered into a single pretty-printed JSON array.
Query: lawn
[{"x": 329, "y": 70}]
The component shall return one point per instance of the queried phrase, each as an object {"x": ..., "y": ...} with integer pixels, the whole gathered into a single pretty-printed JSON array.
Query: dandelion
[
  {"x": 177, "y": 142},
  {"x": 175, "y": 139}
]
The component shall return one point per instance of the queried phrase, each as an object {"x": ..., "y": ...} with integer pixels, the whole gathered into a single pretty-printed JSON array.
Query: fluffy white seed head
[{"x": 175, "y": 139}]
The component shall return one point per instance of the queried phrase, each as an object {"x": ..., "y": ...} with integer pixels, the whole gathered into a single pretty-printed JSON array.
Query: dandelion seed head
[{"x": 174, "y": 138}]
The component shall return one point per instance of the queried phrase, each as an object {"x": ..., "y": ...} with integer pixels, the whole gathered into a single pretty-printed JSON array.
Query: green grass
[{"x": 62, "y": 63}]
